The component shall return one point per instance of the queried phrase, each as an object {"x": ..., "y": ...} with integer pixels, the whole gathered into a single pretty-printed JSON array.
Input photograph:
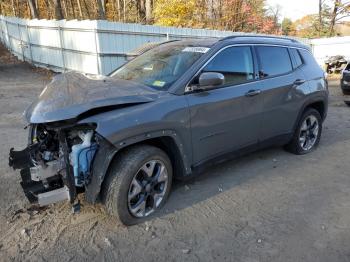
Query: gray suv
[{"x": 167, "y": 114}]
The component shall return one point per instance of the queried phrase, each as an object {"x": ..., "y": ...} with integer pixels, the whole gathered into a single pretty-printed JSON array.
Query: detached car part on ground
[
  {"x": 335, "y": 64},
  {"x": 168, "y": 114}
]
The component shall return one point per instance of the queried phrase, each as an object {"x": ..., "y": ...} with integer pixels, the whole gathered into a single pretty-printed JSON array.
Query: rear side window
[
  {"x": 308, "y": 58},
  {"x": 235, "y": 63},
  {"x": 274, "y": 60},
  {"x": 297, "y": 59}
]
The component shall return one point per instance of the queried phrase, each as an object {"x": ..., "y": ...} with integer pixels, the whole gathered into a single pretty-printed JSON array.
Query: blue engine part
[
  {"x": 85, "y": 158},
  {"x": 81, "y": 158}
]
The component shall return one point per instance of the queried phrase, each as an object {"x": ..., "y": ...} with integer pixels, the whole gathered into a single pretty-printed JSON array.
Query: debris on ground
[
  {"x": 147, "y": 227},
  {"x": 220, "y": 188},
  {"x": 25, "y": 234},
  {"x": 108, "y": 243},
  {"x": 186, "y": 251}
]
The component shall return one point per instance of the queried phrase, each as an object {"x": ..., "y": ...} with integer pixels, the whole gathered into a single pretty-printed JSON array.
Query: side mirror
[{"x": 208, "y": 80}]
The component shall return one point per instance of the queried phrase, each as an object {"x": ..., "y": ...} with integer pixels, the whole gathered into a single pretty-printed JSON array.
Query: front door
[{"x": 229, "y": 117}]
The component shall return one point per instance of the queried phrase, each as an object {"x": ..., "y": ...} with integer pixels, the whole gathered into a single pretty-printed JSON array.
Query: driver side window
[{"x": 235, "y": 63}]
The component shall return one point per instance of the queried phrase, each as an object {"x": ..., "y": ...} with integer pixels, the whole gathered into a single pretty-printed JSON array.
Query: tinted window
[
  {"x": 235, "y": 63},
  {"x": 161, "y": 66},
  {"x": 274, "y": 60},
  {"x": 308, "y": 58},
  {"x": 297, "y": 58}
]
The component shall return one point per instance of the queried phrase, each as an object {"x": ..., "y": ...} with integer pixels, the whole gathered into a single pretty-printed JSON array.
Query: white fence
[
  {"x": 90, "y": 46},
  {"x": 326, "y": 47},
  {"x": 95, "y": 47}
]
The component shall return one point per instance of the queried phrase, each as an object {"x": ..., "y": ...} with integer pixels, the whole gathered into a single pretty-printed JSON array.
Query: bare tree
[
  {"x": 340, "y": 11},
  {"x": 86, "y": 9},
  {"x": 64, "y": 8},
  {"x": 72, "y": 7},
  {"x": 320, "y": 4},
  {"x": 101, "y": 9},
  {"x": 33, "y": 9},
  {"x": 13, "y": 8},
  {"x": 58, "y": 9},
  {"x": 148, "y": 8},
  {"x": 119, "y": 9},
  {"x": 79, "y": 9}
]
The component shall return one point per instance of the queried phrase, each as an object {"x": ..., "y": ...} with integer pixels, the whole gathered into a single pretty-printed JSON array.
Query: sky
[{"x": 295, "y": 9}]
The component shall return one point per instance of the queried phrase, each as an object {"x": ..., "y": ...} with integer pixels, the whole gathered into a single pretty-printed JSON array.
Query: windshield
[{"x": 161, "y": 66}]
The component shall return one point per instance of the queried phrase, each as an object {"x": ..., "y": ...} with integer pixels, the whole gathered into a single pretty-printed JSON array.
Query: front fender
[{"x": 166, "y": 117}]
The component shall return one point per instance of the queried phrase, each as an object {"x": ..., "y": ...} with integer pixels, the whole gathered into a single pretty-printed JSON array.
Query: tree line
[
  {"x": 323, "y": 24},
  {"x": 233, "y": 15}
]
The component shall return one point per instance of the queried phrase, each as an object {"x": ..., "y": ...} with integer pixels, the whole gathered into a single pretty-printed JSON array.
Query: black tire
[
  {"x": 121, "y": 173},
  {"x": 294, "y": 145},
  {"x": 347, "y": 103}
]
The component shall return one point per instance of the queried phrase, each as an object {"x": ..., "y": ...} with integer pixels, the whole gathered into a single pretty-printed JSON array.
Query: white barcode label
[{"x": 196, "y": 49}]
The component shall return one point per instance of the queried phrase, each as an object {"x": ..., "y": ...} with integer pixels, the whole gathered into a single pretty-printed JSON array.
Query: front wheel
[
  {"x": 138, "y": 184},
  {"x": 307, "y": 134}
]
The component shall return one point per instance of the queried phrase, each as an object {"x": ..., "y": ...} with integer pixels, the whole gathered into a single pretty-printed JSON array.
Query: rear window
[
  {"x": 297, "y": 58},
  {"x": 274, "y": 60}
]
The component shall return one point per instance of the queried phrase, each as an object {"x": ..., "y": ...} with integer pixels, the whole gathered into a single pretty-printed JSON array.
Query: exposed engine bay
[
  {"x": 66, "y": 155},
  {"x": 56, "y": 165}
]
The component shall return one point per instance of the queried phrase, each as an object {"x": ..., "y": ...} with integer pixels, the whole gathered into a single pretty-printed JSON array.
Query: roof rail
[{"x": 259, "y": 36}]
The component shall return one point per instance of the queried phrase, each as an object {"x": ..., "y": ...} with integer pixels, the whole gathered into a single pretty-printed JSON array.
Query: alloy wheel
[
  {"x": 147, "y": 188},
  {"x": 309, "y": 132}
]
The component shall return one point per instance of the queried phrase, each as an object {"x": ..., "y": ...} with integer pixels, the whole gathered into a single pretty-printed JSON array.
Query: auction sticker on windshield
[
  {"x": 158, "y": 83},
  {"x": 196, "y": 49}
]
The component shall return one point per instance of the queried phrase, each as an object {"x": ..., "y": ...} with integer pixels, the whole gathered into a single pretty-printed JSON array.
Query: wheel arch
[
  {"x": 168, "y": 142},
  {"x": 320, "y": 106},
  {"x": 318, "y": 103}
]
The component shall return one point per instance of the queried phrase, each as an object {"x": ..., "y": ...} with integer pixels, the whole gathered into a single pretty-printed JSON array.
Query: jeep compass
[{"x": 168, "y": 113}]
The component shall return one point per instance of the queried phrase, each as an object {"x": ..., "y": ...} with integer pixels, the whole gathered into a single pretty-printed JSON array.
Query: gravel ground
[{"x": 267, "y": 206}]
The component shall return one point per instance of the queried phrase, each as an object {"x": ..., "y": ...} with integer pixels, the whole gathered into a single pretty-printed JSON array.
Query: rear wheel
[
  {"x": 347, "y": 103},
  {"x": 307, "y": 134},
  {"x": 138, "y": 184}
]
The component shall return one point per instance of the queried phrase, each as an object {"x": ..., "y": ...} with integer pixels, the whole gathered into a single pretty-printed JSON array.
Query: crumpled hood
[{"x": 71, "y": 94}]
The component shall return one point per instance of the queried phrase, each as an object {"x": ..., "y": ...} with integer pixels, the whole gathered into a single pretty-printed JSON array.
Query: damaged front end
[
  {"x": 57, "y": 163},
  {"x": 62, "y": 151}
]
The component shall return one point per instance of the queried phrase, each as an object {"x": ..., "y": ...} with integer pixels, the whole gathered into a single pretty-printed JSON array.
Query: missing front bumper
[
  {"x": 43, "y": 194},
  {"x": 42, "y": 185}
]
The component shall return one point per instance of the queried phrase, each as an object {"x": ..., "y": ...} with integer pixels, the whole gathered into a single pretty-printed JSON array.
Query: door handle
[
  {"x": 299, "y": 82},
  {"x": 253, "y": 92}
]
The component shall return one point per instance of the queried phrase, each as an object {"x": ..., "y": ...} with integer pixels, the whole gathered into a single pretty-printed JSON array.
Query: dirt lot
[{"x": 268, "y": 206}]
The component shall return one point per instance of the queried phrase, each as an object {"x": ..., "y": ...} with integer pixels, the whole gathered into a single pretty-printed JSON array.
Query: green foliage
[{"x": 288, "y": 27}]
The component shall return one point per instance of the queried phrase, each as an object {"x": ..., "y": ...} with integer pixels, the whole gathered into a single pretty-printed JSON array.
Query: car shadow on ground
[
  {"x": 220, "y": 178},
  {"x": 258, "y": 165}
]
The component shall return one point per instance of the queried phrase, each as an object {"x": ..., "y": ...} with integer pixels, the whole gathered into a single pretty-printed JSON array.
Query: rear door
[
  {"x": 283, "y": 90},
  {"x": 226, "y": 118}
]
